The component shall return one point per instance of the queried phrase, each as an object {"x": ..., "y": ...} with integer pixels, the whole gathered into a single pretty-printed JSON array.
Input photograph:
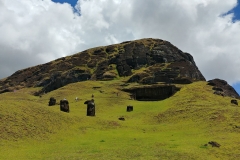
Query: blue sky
[
  {"x": 46, "y": 30},
  {"x": 72, "y": 2},
  {"x": 236, "y": 12}
]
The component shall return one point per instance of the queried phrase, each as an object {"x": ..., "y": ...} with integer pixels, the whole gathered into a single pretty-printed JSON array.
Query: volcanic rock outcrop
[
  {"x": 146, "y": 61},
  {"x": 221, "y": 86}
]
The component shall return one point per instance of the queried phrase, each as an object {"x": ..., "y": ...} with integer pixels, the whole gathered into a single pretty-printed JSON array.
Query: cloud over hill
[{"x": 36, "y": 32}]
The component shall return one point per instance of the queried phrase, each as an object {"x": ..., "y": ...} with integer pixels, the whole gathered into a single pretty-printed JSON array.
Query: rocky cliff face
[
  {"x": 144, "y": 61},
  {"x": 221, "y": 87}
]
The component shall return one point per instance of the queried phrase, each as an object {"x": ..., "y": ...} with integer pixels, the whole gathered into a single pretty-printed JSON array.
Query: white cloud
[{"x": 39, "y": 31}]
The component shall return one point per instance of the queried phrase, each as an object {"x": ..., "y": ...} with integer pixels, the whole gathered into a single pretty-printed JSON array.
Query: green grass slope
[{"x": 175, "y": 128}]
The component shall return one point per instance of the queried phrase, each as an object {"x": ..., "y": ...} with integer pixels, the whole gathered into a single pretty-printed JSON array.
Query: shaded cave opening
[{"x": 155, "y": 93}]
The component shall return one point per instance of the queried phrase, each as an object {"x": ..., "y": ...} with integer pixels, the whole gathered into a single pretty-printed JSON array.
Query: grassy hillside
[{"x": 175, "y": 128}]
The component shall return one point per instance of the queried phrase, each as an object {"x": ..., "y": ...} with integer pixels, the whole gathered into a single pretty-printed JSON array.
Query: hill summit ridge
[{"x": 144, "y": 61}]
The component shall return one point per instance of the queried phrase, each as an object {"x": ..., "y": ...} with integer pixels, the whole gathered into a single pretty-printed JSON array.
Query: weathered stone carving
[
  {"x": 129, "y": 108},
  {"x": 64, "y": 106},
  {"x": 90, "y": 107},
  {"x": 234, "y": 101},
  {"x": 52, "y": 101}
]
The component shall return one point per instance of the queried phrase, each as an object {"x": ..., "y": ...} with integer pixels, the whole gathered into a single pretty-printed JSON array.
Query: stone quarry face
[{"x": 158, "y": 60}]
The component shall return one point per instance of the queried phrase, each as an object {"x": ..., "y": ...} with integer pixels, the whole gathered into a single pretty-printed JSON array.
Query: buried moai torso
[
  {"x": 52, "y": 101},
  {"x": 90, "y": 107},
  {"x": 234, "y": 101},
  {"x": 64, "y": 106},
  {"x": 129, "y": 108}
]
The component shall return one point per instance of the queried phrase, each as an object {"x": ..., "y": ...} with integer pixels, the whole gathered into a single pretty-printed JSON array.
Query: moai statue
[
  {"x": 52, "y": 101},
  {"x": 234, "y": 101},
  {"x": 64, "y": 106},
  {"x": 90, "y": 107},
  {"x": 129, "y": 108}
]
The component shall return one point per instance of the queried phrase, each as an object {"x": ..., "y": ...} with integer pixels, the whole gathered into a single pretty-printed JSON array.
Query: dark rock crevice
[{"x": 152, "y": 93}]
